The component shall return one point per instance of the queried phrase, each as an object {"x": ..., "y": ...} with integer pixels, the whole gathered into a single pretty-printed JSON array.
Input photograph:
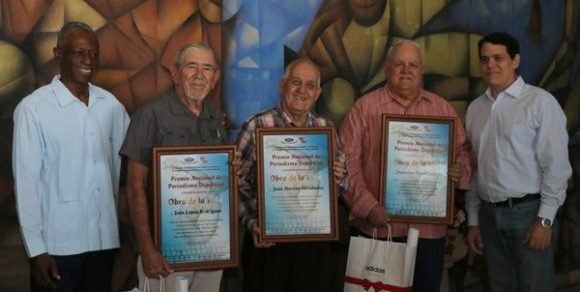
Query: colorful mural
[
  {"x": 138, "y": 43},
  {"x": 347, "y": 38},
  {"x": 139, "y": 40}
]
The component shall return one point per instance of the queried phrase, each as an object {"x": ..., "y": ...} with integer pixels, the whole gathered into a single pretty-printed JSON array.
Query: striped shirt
[
  {"x": 246, "y": 144},
  {"x": 361, "y": 136}
]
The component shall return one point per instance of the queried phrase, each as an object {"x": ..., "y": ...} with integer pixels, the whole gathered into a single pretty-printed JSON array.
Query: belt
[{"x": 514, "y": 201}]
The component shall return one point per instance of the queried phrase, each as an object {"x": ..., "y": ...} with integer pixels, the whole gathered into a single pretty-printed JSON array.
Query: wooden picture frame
[
  {"x": 416, "y": 153},
  {"x": 297, "y": 200},
  {"x": 195, "y": 206}
]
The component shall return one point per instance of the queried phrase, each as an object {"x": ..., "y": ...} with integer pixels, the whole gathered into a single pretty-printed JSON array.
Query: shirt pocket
[
  {"x": 518, "y": 135},
  {"x": 212, "y": 132},
  {"x": 176, "y": 136}
]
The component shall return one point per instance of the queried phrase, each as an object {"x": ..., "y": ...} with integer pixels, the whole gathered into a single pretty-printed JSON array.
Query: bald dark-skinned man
[{"x": 67, "y": 135}]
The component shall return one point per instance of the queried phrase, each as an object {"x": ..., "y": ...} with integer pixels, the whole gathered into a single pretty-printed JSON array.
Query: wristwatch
[{"x": 545, "y": 222}]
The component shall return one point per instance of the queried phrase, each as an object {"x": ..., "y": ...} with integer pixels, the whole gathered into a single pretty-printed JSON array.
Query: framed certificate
[
  {"x": 195, "y": 206},
  {"x": 415, "y": 157},
  {"x": 296, "y": 189}
]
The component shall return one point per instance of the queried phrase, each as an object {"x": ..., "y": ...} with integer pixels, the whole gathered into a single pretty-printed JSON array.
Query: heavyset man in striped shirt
[{"x": 360, "y": 135}]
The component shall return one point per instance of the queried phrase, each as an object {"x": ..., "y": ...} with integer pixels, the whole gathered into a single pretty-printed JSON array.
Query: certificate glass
[
  {"x": 195, "y": 213},
  {"x": 415, "y": 158},
  {"x": 296, "y": 193}
]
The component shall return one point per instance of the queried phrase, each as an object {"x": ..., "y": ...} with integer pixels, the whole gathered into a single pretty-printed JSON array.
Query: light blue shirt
[
  {"x": 66, "y": 169},
  {"x": 521, "y": 144}
]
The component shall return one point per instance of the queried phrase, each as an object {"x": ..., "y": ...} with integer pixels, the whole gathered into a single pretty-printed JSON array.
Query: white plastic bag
[
  {"x": 147, "y": 287},
  {"x": 381, "y": 265}
]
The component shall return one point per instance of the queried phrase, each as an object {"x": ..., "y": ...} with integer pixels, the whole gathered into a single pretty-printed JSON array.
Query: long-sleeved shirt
[
  {"x": 360, "y": 136},
  {"x": 521, "y": 145},
  {"x": 246, "y": 145},
  {"x": 66, "y": 169}
]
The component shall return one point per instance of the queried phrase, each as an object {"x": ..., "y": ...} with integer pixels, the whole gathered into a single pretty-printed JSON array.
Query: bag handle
[
  {"x": 389, "y": 233},
  {"x": 161, "y": 284},
  {"x": 389, "y": 240},
  {"x": 147, "y": 285},
  {"x": 375, "y": 240}
]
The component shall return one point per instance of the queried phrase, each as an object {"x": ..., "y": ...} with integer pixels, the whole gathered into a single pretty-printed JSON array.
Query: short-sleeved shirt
[{"x": 168, "y": 122}]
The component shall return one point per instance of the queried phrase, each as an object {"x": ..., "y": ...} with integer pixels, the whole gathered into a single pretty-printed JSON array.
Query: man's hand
[
  {"x": 237, "y": 163},
  {"x": 44, "y": 270},
  {"x": 538, "y": 237},
  {"x": 226, "y": 122},
  {"x": 455, "y": 173},
  {"x": 474, "y": 239},
  {"x": 154, "y": 264},
  {"x": 378, "y": 217},
  {"x": 338, "y": 170},
  {"x": 256, "y": 236}
]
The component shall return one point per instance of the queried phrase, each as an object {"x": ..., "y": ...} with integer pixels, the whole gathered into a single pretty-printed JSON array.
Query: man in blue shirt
[
  {"x": 519, "y": 136},
  {"x": 66, "y": 138}
]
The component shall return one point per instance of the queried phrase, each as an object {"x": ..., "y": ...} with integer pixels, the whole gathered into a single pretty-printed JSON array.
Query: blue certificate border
[
  {"x": 219, "y": 183},
  {"x": 316, "y": 151},
  {"x": 415, "y": 187}
]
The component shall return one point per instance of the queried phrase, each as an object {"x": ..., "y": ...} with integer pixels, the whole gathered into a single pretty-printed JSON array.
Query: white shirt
[
  {"x": 521, "y": 144},
  {"x": 66, "y": 169}
]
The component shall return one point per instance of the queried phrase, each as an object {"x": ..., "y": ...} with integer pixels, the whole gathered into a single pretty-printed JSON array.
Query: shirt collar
[
  {"x": 65, "y": 97},
  {"x": 422, "y": 95},
  {"x": 309, "y": 122},
  {"x": 177, "y": 107},
  {"x": 514, "y": 90}
]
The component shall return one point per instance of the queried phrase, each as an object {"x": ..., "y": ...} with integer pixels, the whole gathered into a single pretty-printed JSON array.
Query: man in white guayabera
[{"x": 67, "y": 136}]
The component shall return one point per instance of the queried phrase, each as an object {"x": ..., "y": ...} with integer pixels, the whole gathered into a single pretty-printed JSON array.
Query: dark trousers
[
  {"x": 297, "y": 267},
  {"x": 86, "y": 272},
  {"x": 428, "y": 263}
]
